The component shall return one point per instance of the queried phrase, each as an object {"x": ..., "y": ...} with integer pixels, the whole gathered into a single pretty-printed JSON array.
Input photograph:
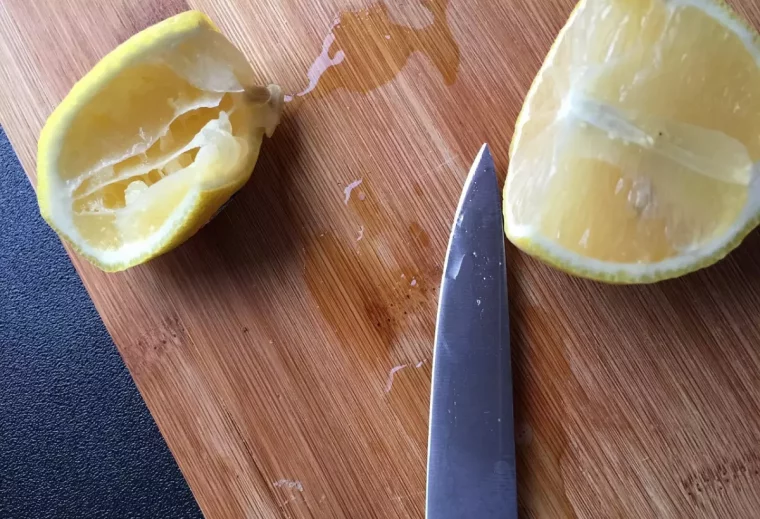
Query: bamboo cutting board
[{"x": 268, "y": 347}]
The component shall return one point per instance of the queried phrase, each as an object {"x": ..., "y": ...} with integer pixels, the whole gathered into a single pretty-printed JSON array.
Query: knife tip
[{"x": 484, "y": 155}]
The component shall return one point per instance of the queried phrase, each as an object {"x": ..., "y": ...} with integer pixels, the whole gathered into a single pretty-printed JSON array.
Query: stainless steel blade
[{"x": 471, "y": 449}]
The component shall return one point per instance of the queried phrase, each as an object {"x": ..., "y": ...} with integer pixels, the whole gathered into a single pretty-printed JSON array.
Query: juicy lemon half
[
  {"x": 152, "y": 141},
  {"x": 634, "y": 156}
]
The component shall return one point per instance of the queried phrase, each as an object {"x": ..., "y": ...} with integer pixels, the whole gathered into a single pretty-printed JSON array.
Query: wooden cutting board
[{"x": 264, "y": 346}]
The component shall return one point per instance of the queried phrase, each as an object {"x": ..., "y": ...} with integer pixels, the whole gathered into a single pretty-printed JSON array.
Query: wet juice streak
[{"x": 366, "y": 49}]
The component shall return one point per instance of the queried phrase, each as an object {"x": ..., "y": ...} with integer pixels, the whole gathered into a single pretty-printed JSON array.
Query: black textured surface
[{"x": 76, "y": 439}]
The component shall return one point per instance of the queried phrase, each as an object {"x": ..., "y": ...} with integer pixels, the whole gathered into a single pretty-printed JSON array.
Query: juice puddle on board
[{"x": 366, "y": 49}]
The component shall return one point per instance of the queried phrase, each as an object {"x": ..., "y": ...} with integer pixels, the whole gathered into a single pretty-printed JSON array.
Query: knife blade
[{"x": 471, "y": 449}]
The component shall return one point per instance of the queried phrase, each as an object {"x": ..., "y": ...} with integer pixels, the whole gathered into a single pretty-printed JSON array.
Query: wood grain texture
[{"x": 263, "y": 346}]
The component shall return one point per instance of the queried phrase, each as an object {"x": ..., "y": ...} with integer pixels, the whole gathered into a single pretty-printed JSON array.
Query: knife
[{"x": 471, "y": 449}]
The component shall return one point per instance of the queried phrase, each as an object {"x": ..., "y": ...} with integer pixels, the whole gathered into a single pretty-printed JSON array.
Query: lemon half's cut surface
[
  {"x": 633, "y": 158},
  {"x": 152, "y": 142}
]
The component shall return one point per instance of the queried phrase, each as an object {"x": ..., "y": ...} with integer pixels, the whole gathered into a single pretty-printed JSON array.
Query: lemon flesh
[
  {"x": 633, "y": 158},
  {"x": 152, "y": 141}
]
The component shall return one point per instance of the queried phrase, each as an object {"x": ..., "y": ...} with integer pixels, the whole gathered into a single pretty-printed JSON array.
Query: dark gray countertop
[{"x": 76, "y": 439}]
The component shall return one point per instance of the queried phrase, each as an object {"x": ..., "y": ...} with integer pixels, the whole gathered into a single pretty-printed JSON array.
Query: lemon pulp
[
  {"x": 633, "y": 157},
  {"x": 148, "y": 145}
]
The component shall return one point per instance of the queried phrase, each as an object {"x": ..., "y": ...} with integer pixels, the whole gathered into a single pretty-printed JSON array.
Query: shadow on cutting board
[{"x": 253, "y": 235}]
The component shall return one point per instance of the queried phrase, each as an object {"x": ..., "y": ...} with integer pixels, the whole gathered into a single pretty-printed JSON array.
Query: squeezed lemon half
[
  {"x": 634, "y": 156},
  {"x": 152, "y": 142}
]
